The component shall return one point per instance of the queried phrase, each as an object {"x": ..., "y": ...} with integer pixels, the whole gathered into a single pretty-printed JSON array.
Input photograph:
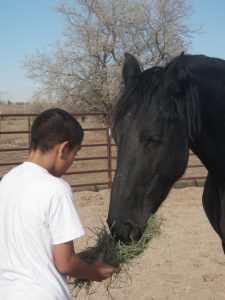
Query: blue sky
[{"x": 30, "y": 25}]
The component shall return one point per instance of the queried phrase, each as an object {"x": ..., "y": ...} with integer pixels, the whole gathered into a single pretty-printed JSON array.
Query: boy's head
[{"x": 55, "y": 126}]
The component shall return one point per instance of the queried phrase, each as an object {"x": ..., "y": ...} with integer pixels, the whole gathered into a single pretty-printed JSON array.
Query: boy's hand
[
  {"x": 103, "y": 271},
  {"x": 68, "y": 263}
]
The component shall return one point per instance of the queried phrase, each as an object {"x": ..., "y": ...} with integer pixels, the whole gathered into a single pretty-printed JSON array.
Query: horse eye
[
  {"x": 150, "y": 140},
  {"x": 146, "y": 140}
]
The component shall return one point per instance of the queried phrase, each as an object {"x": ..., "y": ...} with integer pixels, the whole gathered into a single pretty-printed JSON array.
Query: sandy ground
[{"x": 186, "y": 262}]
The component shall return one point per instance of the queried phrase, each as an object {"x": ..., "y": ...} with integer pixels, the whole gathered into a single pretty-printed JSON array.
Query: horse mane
[
  {"x": 199, "y": 68},
  {"x": 140, "y": 92},
  {"x": 188, "y": 112}
]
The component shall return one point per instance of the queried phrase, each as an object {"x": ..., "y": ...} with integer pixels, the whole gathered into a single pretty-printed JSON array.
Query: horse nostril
[
  {"x": 134, "y": 232},
  {"x": 125, "y": 232}
]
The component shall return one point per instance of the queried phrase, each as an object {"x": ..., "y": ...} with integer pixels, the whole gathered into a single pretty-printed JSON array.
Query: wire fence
[{"x": 94, "y": 166}]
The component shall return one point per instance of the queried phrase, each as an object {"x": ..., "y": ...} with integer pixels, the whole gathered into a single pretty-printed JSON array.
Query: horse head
[{"x": 154, "y": 122}]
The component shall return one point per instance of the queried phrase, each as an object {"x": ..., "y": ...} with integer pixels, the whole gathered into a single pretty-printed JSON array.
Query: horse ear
[
  {"x": 131, "y": 68},
  {"x": 177, "y": 76}
]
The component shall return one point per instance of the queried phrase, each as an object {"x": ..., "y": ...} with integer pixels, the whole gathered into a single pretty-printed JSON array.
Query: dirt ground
[{"x": 186, "y": 262}]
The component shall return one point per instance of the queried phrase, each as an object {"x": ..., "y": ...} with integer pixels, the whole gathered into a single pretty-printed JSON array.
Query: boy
[{"x": 38, "y": 219}]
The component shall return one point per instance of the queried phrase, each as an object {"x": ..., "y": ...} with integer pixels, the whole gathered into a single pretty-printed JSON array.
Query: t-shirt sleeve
[{"x": 64, "y": 221}]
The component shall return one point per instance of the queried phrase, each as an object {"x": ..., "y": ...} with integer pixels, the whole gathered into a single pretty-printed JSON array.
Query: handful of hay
[{"x": 116, "y": 254}]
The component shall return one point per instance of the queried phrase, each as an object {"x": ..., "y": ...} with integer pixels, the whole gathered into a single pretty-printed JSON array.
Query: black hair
[{"x": 54, "y": 126}]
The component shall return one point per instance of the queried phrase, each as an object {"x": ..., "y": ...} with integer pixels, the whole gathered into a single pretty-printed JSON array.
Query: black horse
[{"x": 163, "y": 112}]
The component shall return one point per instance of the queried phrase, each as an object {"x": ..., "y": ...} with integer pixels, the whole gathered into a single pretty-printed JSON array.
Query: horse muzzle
[{"x": 126, "y": 232}]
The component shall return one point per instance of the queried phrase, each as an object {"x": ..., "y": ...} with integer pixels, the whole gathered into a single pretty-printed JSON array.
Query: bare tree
[{"x": 87, "y": 66}]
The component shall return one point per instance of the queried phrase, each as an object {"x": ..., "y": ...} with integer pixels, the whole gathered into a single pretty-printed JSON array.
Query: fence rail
[{"x": 108, "y": 155}]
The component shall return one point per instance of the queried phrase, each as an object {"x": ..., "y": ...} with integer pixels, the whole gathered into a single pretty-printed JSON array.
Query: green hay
[{"x": 116, "y": 253}]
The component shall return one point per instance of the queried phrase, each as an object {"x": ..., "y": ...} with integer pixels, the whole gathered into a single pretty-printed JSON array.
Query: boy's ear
[{"x": 63, "y": 149}]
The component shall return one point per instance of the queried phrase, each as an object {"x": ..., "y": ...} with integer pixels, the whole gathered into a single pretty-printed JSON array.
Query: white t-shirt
[{"x": 36, "y": 211}]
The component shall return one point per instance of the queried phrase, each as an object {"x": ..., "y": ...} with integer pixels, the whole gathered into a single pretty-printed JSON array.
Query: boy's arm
[{"x": 69, "y": 263}]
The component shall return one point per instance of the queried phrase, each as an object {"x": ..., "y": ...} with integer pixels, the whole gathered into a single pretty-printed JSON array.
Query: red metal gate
[{"x": 98, "y": 158}]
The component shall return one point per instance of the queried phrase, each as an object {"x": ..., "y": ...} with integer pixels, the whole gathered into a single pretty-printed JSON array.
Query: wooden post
[
  {"x": 0, "y": 123},
  {"x": 109, "y": 150},
  {"x": 28, "y": 123}
]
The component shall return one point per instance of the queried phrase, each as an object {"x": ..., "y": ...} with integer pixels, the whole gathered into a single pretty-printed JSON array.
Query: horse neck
[{"x": 210, "y": 146}]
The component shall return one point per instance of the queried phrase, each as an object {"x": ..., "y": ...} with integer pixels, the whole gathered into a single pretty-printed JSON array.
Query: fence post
[
  {"x": 0, "y": 123},
  {"x": 109, "y": 150},
  {"x": 28, "y": 123}
]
